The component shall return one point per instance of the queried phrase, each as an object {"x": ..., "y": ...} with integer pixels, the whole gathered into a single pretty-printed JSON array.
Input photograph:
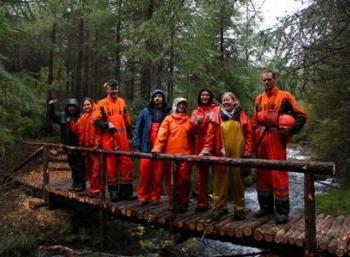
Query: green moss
[
  {"x": 17, "y": 243},
  {"x": 334, "y": 201}
]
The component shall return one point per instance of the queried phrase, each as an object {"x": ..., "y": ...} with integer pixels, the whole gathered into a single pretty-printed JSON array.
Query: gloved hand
[{"x": 111, "y": 127}]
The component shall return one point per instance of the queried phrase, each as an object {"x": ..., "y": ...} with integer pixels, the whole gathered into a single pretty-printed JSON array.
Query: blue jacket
[{"x": 141, "y": 131}]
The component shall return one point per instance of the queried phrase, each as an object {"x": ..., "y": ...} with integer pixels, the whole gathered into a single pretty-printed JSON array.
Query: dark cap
[{"x": 112, "y": 82}]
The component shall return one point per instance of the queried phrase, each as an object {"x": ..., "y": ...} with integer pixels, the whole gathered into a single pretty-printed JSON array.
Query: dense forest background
[{"x": 61, "y": 48}]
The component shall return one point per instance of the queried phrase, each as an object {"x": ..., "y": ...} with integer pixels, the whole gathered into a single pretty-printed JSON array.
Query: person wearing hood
[
  {"x": 144, "y": 137},
  {"x": 71, "y": 113},
  {"x": 111, "y": 117},
  {"x": 204, "y": 112},
  {"x": 175, "y": 137},
  {"x": 89, "y": 136}
]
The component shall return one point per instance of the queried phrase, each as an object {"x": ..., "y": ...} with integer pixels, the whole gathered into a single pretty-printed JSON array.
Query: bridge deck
[{"x": 333, "y": 233}]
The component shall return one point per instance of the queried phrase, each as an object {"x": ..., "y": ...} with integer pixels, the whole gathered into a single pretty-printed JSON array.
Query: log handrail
[{"x": 315, "y": 167}]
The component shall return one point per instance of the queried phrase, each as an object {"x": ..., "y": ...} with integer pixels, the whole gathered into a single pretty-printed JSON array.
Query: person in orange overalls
[
  {"x": 89, "y": 136},
  {"x": 144, "y": 137},
  {"x": 270, "y": 143},
  {"x": 112, "y": 118},
  {"x": 175, "y": 137},
  {"x": 204, "y": 112}
]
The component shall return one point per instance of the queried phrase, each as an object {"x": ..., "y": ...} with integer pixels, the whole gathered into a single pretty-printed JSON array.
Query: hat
[
  {"x": 177, "y": 101},
  {"x": 112, "y": 82}
]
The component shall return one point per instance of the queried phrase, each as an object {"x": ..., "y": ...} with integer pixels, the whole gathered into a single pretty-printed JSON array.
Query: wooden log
[
  {"x": 259, "y": 232},
  {"x": 231, "y": 230},
  {"x": 253, "y": 224},
  {"x": 285, "y": 228},
  {"x": 343, "y": 238},
  {"x": 157, "y": 214},
  {"x": 219, "y": 227},
  {"x": 326, "y": 168},
  {"x": 193, "y": 222},
  {"x": 298, "y": 225},
  {"x": 331, "y": 232},
  {"x": 35, "y": 203},
  {"x": 323, "y": 227},
  {"x": 334, "y": 234},
  {"x": 298, "y": 237}
]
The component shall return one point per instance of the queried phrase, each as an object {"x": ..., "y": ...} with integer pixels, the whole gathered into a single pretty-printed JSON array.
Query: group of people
[{"x": 212, "y": 129}]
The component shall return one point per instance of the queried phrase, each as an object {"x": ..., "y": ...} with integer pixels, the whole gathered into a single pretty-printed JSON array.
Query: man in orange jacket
[
  {"x": 270, "y": 143},
  {"x": 112, "y": 118}
]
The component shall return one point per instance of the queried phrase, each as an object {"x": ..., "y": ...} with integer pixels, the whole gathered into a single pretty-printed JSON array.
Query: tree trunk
[
  {"x": 50, "y": 78},
  {"x": 78, "y": 80},
  {"x": 118, "y": 40}
]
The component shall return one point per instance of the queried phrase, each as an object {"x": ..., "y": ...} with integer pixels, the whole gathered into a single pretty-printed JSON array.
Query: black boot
[
  {"x": 266, "y": 205},
  {"x": 126, "y": 191},
  {"x": 282, "y": 211},
  {"x": 113, "y": 193}
]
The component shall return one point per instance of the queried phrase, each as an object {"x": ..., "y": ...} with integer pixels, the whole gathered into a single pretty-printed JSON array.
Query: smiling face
[
  {"x": 113, "y": 91},
  {"x": 72, "y": 109},
  {"x": 87, "y": 106},
  {"x": 181, "y": 107},
  {"x": 269, "y": 80},
  {"x": 228, "y": 102},
  {"x": 205, "y": 97}
]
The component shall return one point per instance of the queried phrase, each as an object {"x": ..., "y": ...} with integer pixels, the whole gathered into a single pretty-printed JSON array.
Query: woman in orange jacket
[
  {"x": 237, "y": 137},
  {"x": 175, "y": 137},
  {"x": 89, "y": 136},
  {"x": 205, "y": 110}
]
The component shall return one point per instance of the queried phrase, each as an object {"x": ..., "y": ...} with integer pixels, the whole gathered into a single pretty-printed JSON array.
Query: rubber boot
[
  {"x": 282, "y": 211},
  {"x": 126, "y": 191},
  {"x": 113, "y": 193},
  {"x": 266, "y": 205}
]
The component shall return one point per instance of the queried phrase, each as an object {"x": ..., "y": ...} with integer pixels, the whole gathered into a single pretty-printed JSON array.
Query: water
[{"x": 207, "y": 247}]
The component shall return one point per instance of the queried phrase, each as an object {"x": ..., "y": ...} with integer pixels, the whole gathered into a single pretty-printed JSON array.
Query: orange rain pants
[{"x": 151, "y": 173}]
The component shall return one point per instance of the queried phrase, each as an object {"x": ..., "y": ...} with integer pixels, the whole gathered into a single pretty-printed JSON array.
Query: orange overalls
[
  {"x": 175, "y": 137},
  {"x": 89, "y": 136},
  {"x": 151, "y": 173},
  {"x": 270, "y": 144},
  {"x": 207, "y": 113},
  {"x": 118, "y": 169}
]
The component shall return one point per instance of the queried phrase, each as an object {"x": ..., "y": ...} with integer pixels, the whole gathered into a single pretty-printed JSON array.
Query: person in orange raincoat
[
  {"x": 144, "y": 137},
  {"x": 89, "y": 136},
  {"x": 237, "y": 142},
  {"x": 204, "y": 111},
  {"x": 112, "y": 118},
  {"x": 270, "y": 143},
  {"x": 175, "y": 137}
]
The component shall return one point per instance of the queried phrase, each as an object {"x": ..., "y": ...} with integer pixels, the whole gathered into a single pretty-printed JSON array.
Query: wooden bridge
[{"x": 309, "y": 232}]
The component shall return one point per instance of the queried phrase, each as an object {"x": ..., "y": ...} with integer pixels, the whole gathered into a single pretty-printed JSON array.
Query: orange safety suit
[
  {"x": 270, "y": 142},
  {"x": 175, "y": 137},
  {"x": 113, "y": 110},
  {"x": 206, "y": 112},
  {"x": 89, "y": 136}
]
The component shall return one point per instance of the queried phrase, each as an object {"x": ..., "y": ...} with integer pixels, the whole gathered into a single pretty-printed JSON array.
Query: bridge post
[
  {"x": 310, "y": 216},
  {"x": 102, "y": 215},
  {"x": 175, "y": 166},
  {"x": 46, "y": 177}
]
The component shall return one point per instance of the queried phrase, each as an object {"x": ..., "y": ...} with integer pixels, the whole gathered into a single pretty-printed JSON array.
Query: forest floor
[{"x": 24, "y": 229}]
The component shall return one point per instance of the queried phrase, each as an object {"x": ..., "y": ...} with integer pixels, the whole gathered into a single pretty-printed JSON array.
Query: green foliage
[
  {"x": 17, "y": 243},
  {"x": 334, "y": 201}
]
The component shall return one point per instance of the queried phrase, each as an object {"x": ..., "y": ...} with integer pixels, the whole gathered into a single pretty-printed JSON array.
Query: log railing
[{"x": 309, "y": 168}]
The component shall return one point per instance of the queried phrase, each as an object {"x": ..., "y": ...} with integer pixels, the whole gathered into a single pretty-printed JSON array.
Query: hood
[
  {"x": 157, "y": 91},
  {"x": 72, "y": 101},
  {"x": 176, "y": 102},
  {"x": 199, "y": 96}
]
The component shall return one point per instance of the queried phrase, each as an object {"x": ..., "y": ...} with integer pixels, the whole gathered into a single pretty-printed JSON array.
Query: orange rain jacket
[{"x": 174, "y": 135}]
